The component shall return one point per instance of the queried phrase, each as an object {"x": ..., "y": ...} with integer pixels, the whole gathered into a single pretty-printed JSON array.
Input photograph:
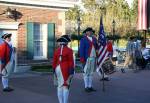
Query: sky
[{"x": 129, "y": 2}]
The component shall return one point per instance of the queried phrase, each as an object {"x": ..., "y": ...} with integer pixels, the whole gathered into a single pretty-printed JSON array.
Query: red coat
[
  {"x": 5, "y": 54},
  {"x": 67, "y": 63}
]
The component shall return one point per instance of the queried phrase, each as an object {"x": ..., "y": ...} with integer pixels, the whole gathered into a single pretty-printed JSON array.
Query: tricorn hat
[
  {"x": 88, "y": 29},
  {"x": 6, "y": 35},
  {"x": 64, "y": 38}
]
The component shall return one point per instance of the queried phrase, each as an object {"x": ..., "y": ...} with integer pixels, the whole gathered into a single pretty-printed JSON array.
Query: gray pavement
[{"x": 129, "y": 87}]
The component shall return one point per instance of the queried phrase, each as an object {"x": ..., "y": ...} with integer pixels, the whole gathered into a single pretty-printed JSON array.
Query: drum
[{"x": 108, "y": 67}]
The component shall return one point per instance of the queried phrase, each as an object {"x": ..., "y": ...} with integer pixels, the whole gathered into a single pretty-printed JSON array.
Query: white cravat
[
  {"x": 93, "y": 52},
  {"x": 90, "y": 38}
]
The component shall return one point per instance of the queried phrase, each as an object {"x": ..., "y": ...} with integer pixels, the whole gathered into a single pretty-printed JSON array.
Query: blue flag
[
  {"x": 101, "y": 35},
  {"x": 102, "y": 52}
]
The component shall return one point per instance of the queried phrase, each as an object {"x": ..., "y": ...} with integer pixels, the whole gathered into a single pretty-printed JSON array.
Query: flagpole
[
  {"x": 102, "y": 42},
  {"x": 103, "y": 82}
]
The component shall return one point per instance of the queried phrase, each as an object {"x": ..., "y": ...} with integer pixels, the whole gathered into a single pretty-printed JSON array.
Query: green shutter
[
  {"x": 51, "y": 39},
  {"x": 30, "y": 49}
]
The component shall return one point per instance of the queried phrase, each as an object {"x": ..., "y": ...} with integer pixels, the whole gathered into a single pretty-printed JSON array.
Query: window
[{"x": 40, "y": 41}]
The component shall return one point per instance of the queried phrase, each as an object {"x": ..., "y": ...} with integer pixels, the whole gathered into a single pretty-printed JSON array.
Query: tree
[
  {"x": 117, "y": 10},
  {"x": 134, "y": 12}
]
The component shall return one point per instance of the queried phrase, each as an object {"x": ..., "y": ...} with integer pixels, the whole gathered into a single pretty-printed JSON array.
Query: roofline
[{"x": 54, "y": 5}]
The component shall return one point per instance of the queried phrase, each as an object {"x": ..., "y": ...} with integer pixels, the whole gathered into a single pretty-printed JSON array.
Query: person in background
[
  {"x": 115, "y": 55},
  {"x": 146, "y": 55},
  {"x": 129, "y": 53},
  {"x": 138, "y": 54},
  {"x": 7, "y": 59},
  {"x": 63, "y": 66},
  {"x": 110, "y": 47},
  {"x": 88, "y": 47},
  {"x": 110, "y": 55}
]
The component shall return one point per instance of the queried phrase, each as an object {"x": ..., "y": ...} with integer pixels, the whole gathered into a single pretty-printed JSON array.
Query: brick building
[{"x": 34, "y": 25}]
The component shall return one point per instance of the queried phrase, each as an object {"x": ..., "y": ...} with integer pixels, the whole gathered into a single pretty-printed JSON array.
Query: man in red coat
[
  {"x": 63, "y": 66},
  {"x": 6, "y": 60}
]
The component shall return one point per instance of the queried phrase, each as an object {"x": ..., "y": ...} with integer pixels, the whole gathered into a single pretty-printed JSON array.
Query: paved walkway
[{"x": 38, "y": 88}]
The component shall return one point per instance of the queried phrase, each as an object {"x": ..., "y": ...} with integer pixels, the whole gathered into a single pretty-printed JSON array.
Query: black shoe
[
  {"x": 87, "y": 90},
  {"x": 122, "y": 70},
  {"x": 92, "y": 89},
  {"x": 7, "y": 89},
  {"x": 105, "y": 79}
]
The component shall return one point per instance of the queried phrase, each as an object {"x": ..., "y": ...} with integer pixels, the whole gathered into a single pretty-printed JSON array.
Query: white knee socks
[
  {"x": 5, "y": 82},
  {"x": 88, "y": 81},
  {"x": 60, "y": 94},
  {"x": 63, "y": 93}
]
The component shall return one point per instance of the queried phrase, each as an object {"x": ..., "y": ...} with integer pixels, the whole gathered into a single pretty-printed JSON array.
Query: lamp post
[
  {"x": 78, "y": 23},
  {"x": 113, "y": 26},
  {"x": 8, "y": 12}
]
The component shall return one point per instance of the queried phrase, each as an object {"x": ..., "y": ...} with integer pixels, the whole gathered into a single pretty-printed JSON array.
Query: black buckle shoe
[
  {"x": 7, "y": 89},
  {"x": 92, "y": 89},
  {"x": 122, "y": 70},
  {"x": 87, "y": 90}
]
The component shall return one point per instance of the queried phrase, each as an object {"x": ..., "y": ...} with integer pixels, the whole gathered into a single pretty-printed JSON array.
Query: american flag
[
  {"x": 142, "y": 15},
  {"x": 102, "y": 51}
]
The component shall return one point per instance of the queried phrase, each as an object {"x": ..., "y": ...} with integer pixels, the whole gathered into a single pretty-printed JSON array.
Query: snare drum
[{"x": 108, "y": 67}]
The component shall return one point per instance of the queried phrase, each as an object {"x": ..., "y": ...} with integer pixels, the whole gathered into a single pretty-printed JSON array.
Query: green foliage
[
  {"x": 76, "y": 37},
  {"x": 73, "y": 13},
  {"x": 113, "y": 37},
  {"x": 118, "y": 10}
]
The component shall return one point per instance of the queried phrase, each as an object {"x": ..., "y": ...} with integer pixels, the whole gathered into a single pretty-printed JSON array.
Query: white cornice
[
  {"x": 60, "y": 4},
  {"x": 9, "y": 25}
]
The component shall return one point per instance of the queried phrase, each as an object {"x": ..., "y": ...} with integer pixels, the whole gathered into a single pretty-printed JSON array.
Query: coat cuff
[{"x": 82, "y": 60}]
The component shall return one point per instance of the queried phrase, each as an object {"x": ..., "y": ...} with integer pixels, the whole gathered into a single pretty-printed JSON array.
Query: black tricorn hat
[
  {"x": 7, "y": 35},
  {"x": 64, "y": 38},
  {"x": 84, "y": 31},
  {"x": 88, "y": 29},
  {"x": 93, "y": 31}
]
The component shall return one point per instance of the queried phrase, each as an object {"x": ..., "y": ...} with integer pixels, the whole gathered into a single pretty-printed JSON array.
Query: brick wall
[{"x": 31, "y": 15}]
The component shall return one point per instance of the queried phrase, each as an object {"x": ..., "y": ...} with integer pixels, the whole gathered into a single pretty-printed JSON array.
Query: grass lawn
[{"x": 48, "y": 68}]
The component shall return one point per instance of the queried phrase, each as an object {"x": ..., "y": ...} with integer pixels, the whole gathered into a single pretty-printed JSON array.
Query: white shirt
[
  {"x": 145, "y": 53},
  {"x": 90, "y": 38}
]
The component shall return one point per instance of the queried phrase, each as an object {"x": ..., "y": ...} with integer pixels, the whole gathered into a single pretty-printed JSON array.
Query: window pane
[
  {"x": 37, "y": 32},
  {"x": 40, "y": 40},
  {"x": 38, "y": 48}
]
